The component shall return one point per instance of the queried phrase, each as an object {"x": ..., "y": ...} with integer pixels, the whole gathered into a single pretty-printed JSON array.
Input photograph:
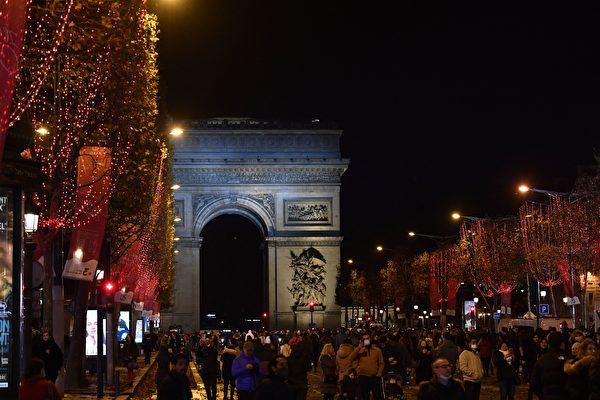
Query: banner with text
[
  {"x": 93, "y": 184},
  {"x": 8, "y": 297}
]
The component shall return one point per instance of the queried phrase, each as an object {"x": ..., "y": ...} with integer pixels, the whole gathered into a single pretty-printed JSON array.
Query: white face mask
[
  {"x": 366, "y": 342},
  {"x": 444, "y": 377},
  {"x": 474, "y": 346}
]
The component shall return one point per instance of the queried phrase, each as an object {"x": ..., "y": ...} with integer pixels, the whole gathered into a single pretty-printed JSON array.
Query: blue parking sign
[{"x": 544, "y": 309}]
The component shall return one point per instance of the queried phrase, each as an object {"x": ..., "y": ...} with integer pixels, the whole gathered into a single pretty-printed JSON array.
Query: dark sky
[{"x": 444, "y": 106}]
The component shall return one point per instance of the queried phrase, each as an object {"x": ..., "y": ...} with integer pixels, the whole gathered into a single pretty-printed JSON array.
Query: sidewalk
[{"x": 125, "y": 390}]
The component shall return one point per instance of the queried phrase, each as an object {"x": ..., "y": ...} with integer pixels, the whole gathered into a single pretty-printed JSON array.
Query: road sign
[
  {"x": 497, "y": 315},
  {"x": 544, "y": 309}
]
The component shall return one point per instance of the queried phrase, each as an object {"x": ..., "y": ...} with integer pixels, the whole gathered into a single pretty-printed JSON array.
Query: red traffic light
[
  {"x": 472, "y": 308},
  {"x": 109, "y": 287},
  {"x": 312, "y": 304},
  {"x": 265, "y": 315}
]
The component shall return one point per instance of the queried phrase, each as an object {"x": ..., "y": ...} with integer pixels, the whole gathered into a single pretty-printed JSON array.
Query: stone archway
[{"x": 287, "y": 182}]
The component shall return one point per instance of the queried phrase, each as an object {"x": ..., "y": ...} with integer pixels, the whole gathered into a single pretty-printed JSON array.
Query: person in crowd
[
  {"x": 349, "y": 386},
  {"x": 343, "y": 361},
  {"x": 442, "y": 385},
  {"x": 329, "y": 377},
  {"x": 208, "y": 363},
  {"x": 424, "y": 357},
  {"x": 246, "y": 370},
  {"x": 274, "y": 386},
  {"x": 594, "y": 376},
  {"x": 340, "y": 338},
  {"x": 542, "y": 347},
  {"x": 370, "y": 368},
  {"x": 227, "y": 357},
  {"x": 506, "y": 373},
  {"x": 147, "y": 347},
  {"x": 163, "y": 359},
  {"x": 176, "y": 385},
  {"x": 485, "y": 352},
  {"x": 574, "y": 351},
  {"x": 285, "y": 349},
  {"x": 299, "y": 365},
  {"x": 472, "y": 370},
  {"x": 577, "y": 370},
  {"x": 174, "y": 342},
  {"x": 448, "y": 350},
  {"x": 52, "y": 356},
  {"x": 548, "y": 379},
  {"x": 264, "y": 355},
  {"x": 34, "y": 385},
  {"x": 130, "y": 354}
]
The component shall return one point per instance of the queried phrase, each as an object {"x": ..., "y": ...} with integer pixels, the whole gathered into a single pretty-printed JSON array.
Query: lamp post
[{"x": 30, "y": 226}]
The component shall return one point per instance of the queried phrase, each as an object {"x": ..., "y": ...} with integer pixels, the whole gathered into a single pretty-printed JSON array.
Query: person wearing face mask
[
  {"x": 370, "y": 368},
  {"x": 329, "y": 378},
  {"x": 274, "y": 386},
  {"x": 506, "y": 373},
  {"x": 442, "y": 385},
  {"x": 472, "y": 370}
]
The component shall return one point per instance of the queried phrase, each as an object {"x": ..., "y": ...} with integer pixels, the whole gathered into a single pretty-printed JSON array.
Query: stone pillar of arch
[{"x": 286, "y": 179}]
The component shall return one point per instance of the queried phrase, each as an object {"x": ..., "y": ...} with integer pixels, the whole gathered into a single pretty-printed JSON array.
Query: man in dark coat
[
  {"x": 548, "y": 380},
  {"x": 229, "y": 354},
  {"x": 52, "y": 356},
  {"x": 442, "y": 386},
  {"x": 448, "y": 350},
  {"x": 147, "y": 347},
  {"x": 299, "y": 365},
  {"x": 207, "y": 359},
  {"x": 274, "y": 386},
  {"x": 176, "y": 385}
]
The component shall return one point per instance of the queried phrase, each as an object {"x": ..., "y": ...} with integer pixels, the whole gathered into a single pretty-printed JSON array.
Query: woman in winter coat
[
  {"x": 131, "y": 353},
  {"x": 329, "y": 377},
  {"x": 163, "y": 357},
  {"x": 424, "y": 358},
  {"x": 299, "y": 366}
]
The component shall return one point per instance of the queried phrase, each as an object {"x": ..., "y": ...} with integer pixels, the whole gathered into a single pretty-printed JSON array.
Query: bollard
[{"x": 117, "y": 383}]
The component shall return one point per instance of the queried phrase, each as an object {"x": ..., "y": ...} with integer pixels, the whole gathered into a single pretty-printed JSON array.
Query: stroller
[{"x": 392, "y": 386}]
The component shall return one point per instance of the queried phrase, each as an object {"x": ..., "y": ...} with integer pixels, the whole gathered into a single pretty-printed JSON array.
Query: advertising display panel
[
  {"x": 8, "y": 297},
  {"x": 123, "y": 326},
  {"x": 139, "y": 331},
  {"x": 91, "y": 334}
]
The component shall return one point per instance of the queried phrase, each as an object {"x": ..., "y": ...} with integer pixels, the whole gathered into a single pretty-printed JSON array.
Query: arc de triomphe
[{"x": 285, "y": 178}]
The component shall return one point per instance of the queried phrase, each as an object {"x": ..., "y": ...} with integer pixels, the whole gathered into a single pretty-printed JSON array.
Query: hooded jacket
[{"x": 344, "y": 361}]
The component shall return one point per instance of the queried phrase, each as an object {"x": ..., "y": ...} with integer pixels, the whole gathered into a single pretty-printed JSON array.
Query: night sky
[{"x": 444, "y": 106}]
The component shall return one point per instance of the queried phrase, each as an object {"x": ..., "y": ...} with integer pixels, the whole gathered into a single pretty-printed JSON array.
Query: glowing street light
[
  {"x": 525, "y": 189},
  {"x": 177, "y": 219},
  {"x": 456, "y": 216},
  {"x": 175, "y": 187},
  {"x": 176, "y": 132},
  {"x": 350, "y": 261}
]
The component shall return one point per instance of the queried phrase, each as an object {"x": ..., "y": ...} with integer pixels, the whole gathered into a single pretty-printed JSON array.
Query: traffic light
[
  {"x": 472, "y": 312},
  {"x": 311, "y": 306},
  {"x": 265, "y": 314},
  {"x": 108, "y": 290}
]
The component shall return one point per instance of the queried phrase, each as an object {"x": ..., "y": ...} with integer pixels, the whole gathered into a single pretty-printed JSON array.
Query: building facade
[{"x": 285, "y": 178}]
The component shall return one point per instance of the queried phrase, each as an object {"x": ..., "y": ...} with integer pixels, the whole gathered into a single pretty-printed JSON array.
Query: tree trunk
[
  {"x": 553, "y": 299},
  {"x": 75, "y": 367}
]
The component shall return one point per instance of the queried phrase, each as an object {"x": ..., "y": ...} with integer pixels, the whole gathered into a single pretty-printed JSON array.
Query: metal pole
[
  {"x": 538, "y": 305},
  {"x": 99, "y": 343}
]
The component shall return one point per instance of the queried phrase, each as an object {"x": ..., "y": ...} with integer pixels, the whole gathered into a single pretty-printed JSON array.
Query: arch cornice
[{"x": 257, "y": 208}]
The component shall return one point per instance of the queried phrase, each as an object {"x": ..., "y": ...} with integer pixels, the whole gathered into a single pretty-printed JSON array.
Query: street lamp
[
  {"x": 543, "y": 293},
  {"x": 176, "y": 187},
  {"x": 31, "y": 223},
  {"x": 525, "y": 189},
  {"x": 456, "y": 216},
  {"x": 436, "y": 238},
  {"x": 416, "y": 307}
]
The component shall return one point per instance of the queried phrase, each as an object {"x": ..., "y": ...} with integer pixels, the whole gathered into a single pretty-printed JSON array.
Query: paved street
[{"x": 146, "y": 389}]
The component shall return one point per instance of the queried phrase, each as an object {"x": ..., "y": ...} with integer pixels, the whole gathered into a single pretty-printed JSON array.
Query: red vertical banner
[
  {"x": 453, "y": 285},
  {"x": 12, "y": 28},
  {"x": 91, "y": 201},
  {"x": 563, "y": 268},
  {"x": 434, "y": 292}
]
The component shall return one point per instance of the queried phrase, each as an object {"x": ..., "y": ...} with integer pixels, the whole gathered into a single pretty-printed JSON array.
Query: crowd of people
[{"x": 363, "y": 363}]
